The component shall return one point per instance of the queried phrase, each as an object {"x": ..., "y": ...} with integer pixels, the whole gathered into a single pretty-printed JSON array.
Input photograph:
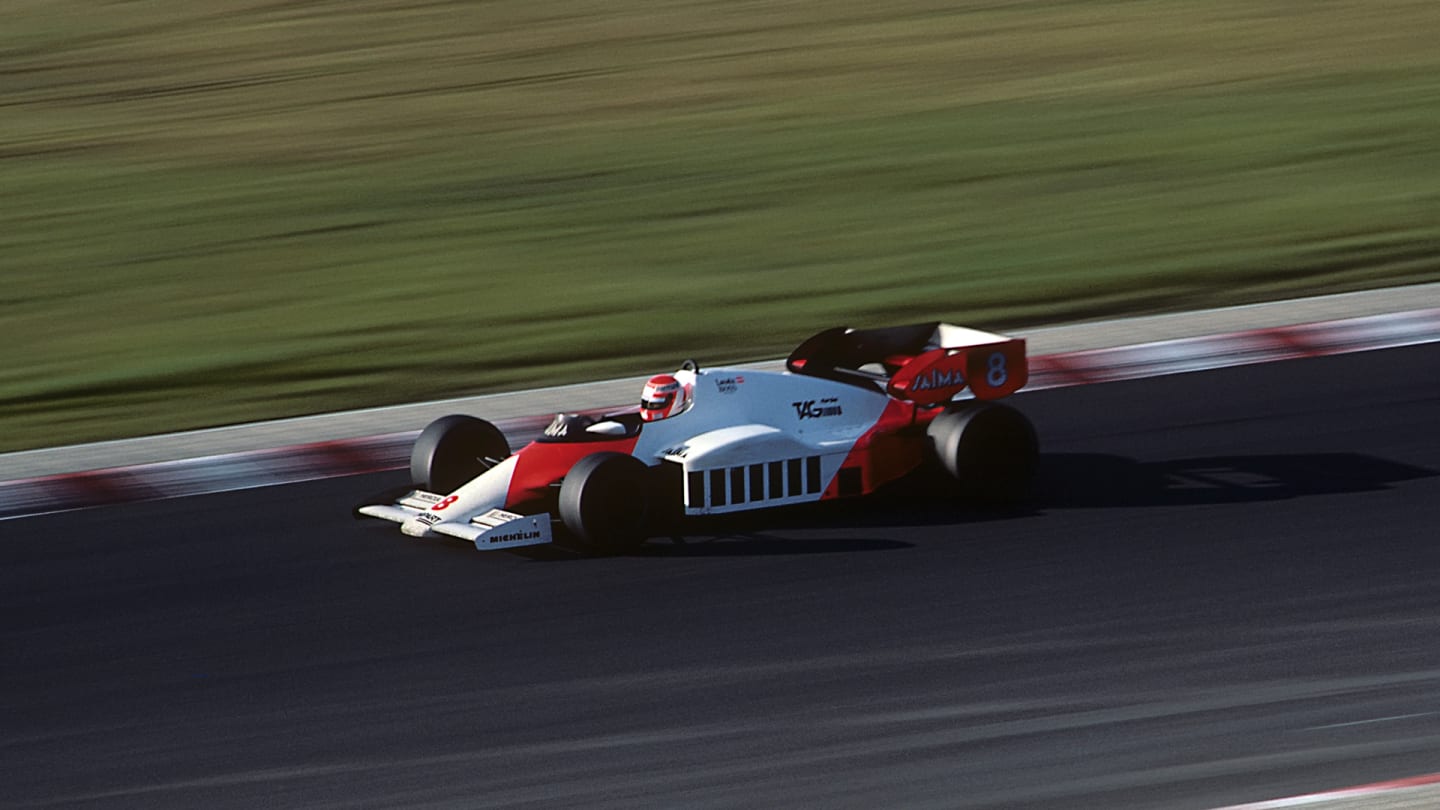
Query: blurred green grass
[{"x": 226, "y": 210}]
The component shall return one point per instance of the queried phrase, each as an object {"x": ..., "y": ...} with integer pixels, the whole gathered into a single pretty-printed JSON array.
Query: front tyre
[
  {"x": 991, "y": 450},
  {"x": 606, "y": 502},
  {"x": 454, "y": 449}
]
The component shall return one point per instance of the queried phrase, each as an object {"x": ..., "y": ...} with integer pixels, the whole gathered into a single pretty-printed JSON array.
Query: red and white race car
[{"x": 856, "y": 409}]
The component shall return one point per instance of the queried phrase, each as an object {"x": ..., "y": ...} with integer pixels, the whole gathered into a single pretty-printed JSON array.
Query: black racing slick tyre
[
  {"x": 454, "y": 449},
  {"x": 991, "y": 450},
  {"x": 606, "y": 502}
]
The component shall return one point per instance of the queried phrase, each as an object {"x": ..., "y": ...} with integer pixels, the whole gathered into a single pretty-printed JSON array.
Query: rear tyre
[
  {"x": 454, "y": 449},
  {"x": 991, "y": 451},
  {"x": 606, "y": 502}
]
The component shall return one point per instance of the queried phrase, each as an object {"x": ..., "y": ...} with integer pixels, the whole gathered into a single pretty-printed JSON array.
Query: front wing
[{"x": 491, "y": 529}]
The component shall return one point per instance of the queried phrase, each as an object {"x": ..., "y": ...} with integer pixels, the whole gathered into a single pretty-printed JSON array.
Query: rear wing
[{"x": 926, "y": 363}]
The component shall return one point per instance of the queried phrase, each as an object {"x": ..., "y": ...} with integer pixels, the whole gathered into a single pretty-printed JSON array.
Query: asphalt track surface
[{"x": 1225, "y": 590}]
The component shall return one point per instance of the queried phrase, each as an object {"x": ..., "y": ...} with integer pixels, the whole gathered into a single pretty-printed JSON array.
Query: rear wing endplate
[
  {"x": 990, "y": 371},
  {"x": 925, "y": 363}
]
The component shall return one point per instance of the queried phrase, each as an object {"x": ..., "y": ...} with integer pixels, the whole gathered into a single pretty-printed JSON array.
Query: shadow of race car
[{"x": 855, "y": 409}]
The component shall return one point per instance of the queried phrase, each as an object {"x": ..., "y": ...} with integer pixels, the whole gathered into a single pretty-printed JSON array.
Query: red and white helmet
[{"x": 663, "y": 397}]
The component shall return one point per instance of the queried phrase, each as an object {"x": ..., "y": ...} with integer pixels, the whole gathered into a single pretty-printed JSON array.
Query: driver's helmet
[{"x": 663, "y": 397}]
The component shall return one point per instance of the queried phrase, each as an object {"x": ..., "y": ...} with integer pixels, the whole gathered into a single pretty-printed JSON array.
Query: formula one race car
[{"x": 856, "y": 409}]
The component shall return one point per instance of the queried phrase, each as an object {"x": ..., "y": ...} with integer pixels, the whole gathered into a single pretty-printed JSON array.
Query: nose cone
[{"x": 419, "y": 526}]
